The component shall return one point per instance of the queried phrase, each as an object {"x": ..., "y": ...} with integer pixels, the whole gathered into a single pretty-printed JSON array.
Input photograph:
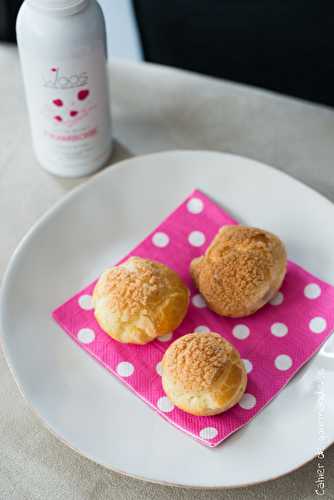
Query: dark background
[
  {"x": 8, "y": 13},
  {"x": 281, "y": 45}
]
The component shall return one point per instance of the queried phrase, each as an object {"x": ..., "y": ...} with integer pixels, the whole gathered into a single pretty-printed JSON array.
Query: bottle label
[{"x": 69, "y": 107}]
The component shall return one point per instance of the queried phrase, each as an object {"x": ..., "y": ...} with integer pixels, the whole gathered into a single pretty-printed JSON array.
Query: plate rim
[
  {"x": 43, "y": 219},
  {"x": 122, "y": 473}
]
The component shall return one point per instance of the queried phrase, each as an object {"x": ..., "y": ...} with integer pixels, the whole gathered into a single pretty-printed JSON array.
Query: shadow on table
[{"x": 119, "y": 153}]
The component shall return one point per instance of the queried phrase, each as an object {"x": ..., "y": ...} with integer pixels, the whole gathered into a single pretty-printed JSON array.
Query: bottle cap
[{"x": 60, "y": 7}]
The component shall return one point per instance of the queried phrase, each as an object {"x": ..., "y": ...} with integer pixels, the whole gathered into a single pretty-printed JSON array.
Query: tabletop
[{"x": 154, "y": 108}]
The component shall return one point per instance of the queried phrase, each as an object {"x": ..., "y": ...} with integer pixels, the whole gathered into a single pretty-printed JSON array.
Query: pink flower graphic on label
[
  {"x": 83, "y": 94},
  {"x": 57, "y": 102},
  {"x": 69, "y": 110}
]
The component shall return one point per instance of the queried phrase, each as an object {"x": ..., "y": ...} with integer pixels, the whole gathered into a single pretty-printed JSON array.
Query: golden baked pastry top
[
  {"x": 202, "y": 374},
  {"x": 139, "y": 300},
  {"x": 241, "y": 270}
]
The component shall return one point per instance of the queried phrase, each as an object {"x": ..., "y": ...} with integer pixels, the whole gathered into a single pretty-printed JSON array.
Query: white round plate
[{"x": 93, "y": 227}]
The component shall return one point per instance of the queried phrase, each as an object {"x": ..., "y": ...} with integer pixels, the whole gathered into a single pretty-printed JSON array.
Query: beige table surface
[{"x": 154, "y": 109}]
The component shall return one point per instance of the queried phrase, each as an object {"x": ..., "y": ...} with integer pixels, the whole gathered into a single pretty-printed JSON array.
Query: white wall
[{"x": 122, "y": 32}]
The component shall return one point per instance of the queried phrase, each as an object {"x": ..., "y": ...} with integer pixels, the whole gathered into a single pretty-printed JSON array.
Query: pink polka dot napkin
[{"x": 274, "y": 343}]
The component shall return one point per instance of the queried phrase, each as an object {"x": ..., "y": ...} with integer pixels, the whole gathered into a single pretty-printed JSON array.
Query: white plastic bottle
[{"x": 62, "y": 47}]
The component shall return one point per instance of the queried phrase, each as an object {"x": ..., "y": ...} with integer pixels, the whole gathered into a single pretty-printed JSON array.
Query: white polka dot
[
  {"x": 198, "y": 301},
  {"x": 318, "y": 324},
  {"x": 86, "y": 302},
  {"x": 165, "y": 338},
  {"x": 196, "y": 238},
  {"x": 279, "y": 329},
  {"x": 165, "y": 405},
  {"x": 202, "y": 329},
  {"x": 283, "y": 362},
  {"x": 158, "y": 368},
  {"x": 208, "y": 433},
  {"x": 312, "y": 291},
  {"x": 195, "y": 205},
  {"x": 248, "y": 365},
  {"x": 125, "y": 369},
  {"x": 277, "y": 300},
  {"x": 248, "y": 401},
  {"x": 160, "y": 240},
  {"x": 86, "y": 335},
  {"x": 241, "y": 332}
]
